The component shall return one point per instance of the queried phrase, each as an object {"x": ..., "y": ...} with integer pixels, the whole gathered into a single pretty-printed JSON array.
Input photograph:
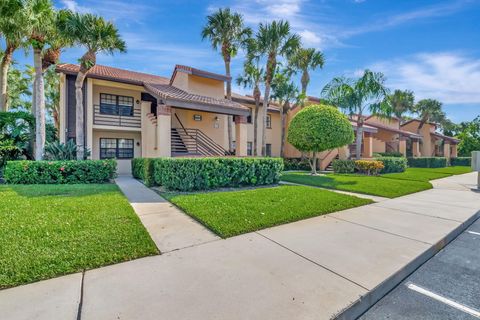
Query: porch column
[
  {"x": 446, "y": 150},
  {"x": 241, "y": 136},
  {"x": 416, "y": 148},
  {"x": 367, "y": 145},
  {"x": 402, "y": 146},
  {"x": 453, "y": 150},
  {"x": 164, "y": 130}
]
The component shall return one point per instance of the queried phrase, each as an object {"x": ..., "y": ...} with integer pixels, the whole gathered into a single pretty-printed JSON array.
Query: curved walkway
[{"x": 334, "y": 265}]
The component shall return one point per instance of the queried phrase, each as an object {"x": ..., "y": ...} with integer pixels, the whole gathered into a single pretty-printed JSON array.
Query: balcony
[{"x": 117, "y": 120}]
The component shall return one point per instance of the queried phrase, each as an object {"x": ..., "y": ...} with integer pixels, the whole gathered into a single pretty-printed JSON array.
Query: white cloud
[
  {"x": 74, "y": 6},
  {"x": 310, "y": 38},
  {"x": 449, "y": 77}
]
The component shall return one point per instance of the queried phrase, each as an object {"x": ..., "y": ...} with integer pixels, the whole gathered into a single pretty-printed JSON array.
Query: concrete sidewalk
[{"x": 311, "y": 269}]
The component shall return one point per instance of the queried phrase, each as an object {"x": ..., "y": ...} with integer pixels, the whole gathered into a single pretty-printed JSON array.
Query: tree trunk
[
  {"x": 229, "y": 97},
  {"x": 358, "y": 146},
  {"x": 39, "y": 101},
  {"x": 256, "y": 94},
  {"x": 4, "y": 66},
  {"x": 305, "y": 80},
  {"x": 283, "y": 117},
  {"x": 313, "y": 163},
  {"x": 79, "y": 113},
  {"x": 266, "y": 97}
]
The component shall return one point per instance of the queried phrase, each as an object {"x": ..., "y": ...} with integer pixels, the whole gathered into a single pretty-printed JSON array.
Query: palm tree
[
  {"x": 429, "y": 110},
  {"x": 401, "y": 102},
  {"x": 252, "y": 77},
  {"x": 14, "y": 29},
  {"x": 96, "y": 35},
  {"x": 286, "y": 93},
  {"x": 303, "y": 60},
  {"x": 41, "y": 18},
  {"x": 357, "y": 96},
  {"x": 227, "y": 32},
  {"x": 274, "y": 39}
]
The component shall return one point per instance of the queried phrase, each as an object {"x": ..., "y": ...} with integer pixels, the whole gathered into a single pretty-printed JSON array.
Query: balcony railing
[{"x": 117, "y": 120}]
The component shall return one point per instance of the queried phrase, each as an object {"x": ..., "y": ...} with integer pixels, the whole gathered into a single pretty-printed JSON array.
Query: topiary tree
[{"x": 319, "y": 128}]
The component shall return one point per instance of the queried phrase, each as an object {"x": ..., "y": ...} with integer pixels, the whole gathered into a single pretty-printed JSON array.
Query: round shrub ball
[{"x": 319, "y": 128}]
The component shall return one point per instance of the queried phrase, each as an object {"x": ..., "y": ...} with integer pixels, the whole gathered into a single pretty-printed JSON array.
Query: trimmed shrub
[
  {"x": 343, "y": 166},
  {"x": 391, "y": 154},
  {"x": 187, "y": 174},
  {"x": 142, "y": 169},
  {"x": 369, "y": 167},
  {"x": 393, "y": 164},
  {"x": 60, "y": 172},
  {"x": 296, "y": 164},
  {"x": 461, "y": 161},
  {"x": 427, "y": 162}
]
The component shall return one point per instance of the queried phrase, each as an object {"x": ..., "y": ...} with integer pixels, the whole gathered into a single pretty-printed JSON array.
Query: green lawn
[
  {"x": 50, "y": 230},
  {"x": 377, "y": 186},
  {"x": 389, "y": 185},
  {"x": 234, "y": 212}
]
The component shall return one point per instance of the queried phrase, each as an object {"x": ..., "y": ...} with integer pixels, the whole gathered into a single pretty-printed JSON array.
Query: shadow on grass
[{"x": 64, "y": 190}]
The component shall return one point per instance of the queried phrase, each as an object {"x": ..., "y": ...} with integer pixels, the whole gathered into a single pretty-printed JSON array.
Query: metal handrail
[{"x": 194, "y": 140}]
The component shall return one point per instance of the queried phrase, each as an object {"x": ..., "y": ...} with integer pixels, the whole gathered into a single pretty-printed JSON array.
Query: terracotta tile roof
[
  {"x": 401, "y": 132},
  {"x": 251, "y": 100},
  {"x": 165, "y": 91},
  {"x": 198, "y": 72},
  {"x": 114, "y": 74},
  {"x": 444, "y": 137},
  {"x": 366, "y": 127}
]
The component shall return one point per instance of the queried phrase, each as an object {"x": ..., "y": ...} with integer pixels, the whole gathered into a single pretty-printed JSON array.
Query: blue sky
[{"x": 430, "y": 47}]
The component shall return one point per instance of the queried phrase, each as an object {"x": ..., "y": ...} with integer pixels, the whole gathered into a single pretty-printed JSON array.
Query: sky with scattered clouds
[{"x": 429, "y": 47}]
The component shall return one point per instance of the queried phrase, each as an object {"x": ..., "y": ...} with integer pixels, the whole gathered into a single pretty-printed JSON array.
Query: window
[
  {"x": 116, "y": 148},
  {"x": 268, "y": 150},
  {"x": 269, "y": 121},
  {"x": 249, "y": 148},
  {"x": 116, "y": 105},
  {"x": 249, "y": 117}
]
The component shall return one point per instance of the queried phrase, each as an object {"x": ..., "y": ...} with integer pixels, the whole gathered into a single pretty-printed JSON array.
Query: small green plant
[
  {"x": 391, "y": 154},
  {"x": 393, "y": 164},
  {"x": 343, "y": 166},
  {"x": 63, "y": 151},
  {"x": 296, "y": 164}
]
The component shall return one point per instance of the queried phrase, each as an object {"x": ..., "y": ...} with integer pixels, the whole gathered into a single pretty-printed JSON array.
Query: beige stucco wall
[
  {"x": 199, "y": 85},
  {"x": 427, "y": 145},
  {"x": 393, "y": 122},
  {"x": 123, "y": 165}
]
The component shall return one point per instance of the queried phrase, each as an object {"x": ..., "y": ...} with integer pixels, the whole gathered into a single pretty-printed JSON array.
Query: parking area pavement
[{"x": 445, "y": 287}]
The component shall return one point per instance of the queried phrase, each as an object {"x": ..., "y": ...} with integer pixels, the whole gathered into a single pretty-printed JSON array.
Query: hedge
[
  {"x": 343, "y": 166},
  {"x": 396, "y": 154},
  {"x": 461, "y": 161},
  {"x": 393, "y": 164},
  {"x": 296, "y": 164},
  {"x": 60, "y": 172},
  {"x": 188, "y": 174},
  {"x": 369, "y": 167},
  {"x": 427, "y": 162},
  {"x": 142, "y": 169}
]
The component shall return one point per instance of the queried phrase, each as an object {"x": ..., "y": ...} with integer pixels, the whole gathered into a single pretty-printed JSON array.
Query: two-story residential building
[{"x": 130, "y": 114}]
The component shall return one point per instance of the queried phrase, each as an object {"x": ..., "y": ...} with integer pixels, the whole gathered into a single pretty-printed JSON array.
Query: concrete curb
[{"x": 359, "y": 307}]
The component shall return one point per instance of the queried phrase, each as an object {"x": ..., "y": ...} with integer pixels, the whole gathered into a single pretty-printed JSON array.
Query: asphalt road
[{"x": 445, "y": 287}]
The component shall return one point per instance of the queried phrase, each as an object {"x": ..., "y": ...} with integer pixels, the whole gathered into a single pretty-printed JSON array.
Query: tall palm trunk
[
  {"x": 305, "y": 80},
  {"x": 256, "y": 95},
  {"x": 4, "y": 66},
  {"x": 226, "y": 58},
  {"x": 283, "y": 117},
  {"x": 79, "y": 119},
  {"x": 271, "y": 64},
  {"x": 39, "y": 101},
  {"x": 358, "y": 146}
]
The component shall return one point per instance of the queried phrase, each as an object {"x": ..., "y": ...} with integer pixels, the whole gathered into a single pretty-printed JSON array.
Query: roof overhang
[
  {"x": 198, "y": 73},
  {"x": 402, "y": 133},
  {"x": 445, "y": 138},
  {"x": 175, "y": 97},
  {"x": 366, "y": 128}
]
